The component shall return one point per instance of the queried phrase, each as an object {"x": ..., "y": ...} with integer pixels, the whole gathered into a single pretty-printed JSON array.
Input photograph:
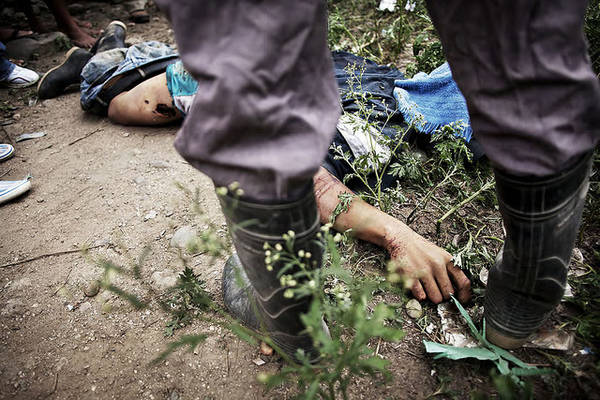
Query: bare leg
[
  {"x": 34, "y": 23},
  {"x": 66, "y": 24}
]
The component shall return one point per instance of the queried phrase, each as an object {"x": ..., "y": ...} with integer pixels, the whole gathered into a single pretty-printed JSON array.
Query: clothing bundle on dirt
[
  {"x": 381, "y": 96},
  {"x": 377, "y": 100}
]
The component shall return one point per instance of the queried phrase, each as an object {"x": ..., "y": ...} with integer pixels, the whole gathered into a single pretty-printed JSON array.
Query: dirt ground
[{"x": 114, "y": 189}]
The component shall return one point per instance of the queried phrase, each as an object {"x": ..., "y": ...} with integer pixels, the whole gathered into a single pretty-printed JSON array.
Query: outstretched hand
[{"x": 434, "y": 275}]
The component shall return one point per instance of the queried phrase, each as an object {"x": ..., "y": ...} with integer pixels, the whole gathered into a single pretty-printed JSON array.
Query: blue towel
[{"x": 436, "y": 98}]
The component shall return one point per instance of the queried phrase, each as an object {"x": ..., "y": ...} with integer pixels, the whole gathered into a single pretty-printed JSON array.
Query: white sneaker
[
  {"x": 11, "y": 189},
  {"x": 6, "y": 151},
  {"x": 20, "y": 78}
]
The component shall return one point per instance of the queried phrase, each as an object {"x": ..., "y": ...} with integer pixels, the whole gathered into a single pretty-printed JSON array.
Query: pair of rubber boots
[
  {"x": 56, "y": 80},
  {"x": 252, "y": 287},
  {"x": 528, "y": 280},
  {"x": 541, "y": 218}
]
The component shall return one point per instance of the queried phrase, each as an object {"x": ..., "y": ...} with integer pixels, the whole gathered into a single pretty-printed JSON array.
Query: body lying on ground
[{"x": 166, "y": 97}]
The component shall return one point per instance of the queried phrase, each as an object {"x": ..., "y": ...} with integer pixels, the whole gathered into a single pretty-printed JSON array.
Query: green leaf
[
  {"x": 188, "y": 340},
  {"x": 531, "y": 371},
  {"x": 458, "y": 353},
  {"x": 133, "y": 299},
  {"x": 271, "y": 381},
  {"x": 375, "y": 363},
  {"x": 470, "y": 323}
]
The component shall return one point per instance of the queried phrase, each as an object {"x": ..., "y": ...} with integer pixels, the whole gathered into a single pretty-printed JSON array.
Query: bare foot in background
[{"x": 78, "y": 36}]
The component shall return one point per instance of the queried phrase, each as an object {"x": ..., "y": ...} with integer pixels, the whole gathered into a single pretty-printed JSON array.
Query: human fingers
[
  {"x": 417, "y": 291},
  {"x": 462, "y": 283},
  {"x": 431, "y": 288},
  {"x": 443, "y": 281}
]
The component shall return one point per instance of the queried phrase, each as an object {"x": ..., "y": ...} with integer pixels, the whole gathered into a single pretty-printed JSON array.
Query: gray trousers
[
  {"x": 267, "y": 103},
  {"x": 534, "y": 104},
  {"x": 523, "y": 68}
]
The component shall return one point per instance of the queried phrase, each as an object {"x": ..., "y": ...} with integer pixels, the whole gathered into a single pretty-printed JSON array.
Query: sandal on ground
[
  {"x": 139, "y": 16},
  {"x": 11, "y": 189},
  {"x": 6, "y": 151}
]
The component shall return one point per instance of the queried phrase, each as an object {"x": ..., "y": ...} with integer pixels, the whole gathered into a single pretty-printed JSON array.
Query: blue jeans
[{"x": 6, "y": 67}]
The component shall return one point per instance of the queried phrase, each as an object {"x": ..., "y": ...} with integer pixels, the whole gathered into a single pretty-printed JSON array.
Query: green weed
[
  {"x": 358, "y": 26},
  {"x": 186, "y": 300},
  {"x": 346, "y": 351}
]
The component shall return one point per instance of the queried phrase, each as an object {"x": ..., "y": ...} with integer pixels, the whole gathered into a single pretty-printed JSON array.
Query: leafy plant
[
  {"x": 186, "y": 300},
  {"x": 592, "y": 32},
  {"x": 427, "y": 51},
  {"x": 486, "y": 351},
  {"x": 358, "y": 26},
  {"x": 344, "y": 347}
]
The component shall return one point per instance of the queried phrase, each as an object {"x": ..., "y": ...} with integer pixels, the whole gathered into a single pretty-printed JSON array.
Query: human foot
[
  {"x": 82, "y": 24},
  {"x": 80, "y": 38},
  {"x": 8, "y": 34}
]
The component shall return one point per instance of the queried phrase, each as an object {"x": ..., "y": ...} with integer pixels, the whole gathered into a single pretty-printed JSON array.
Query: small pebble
[
  {"x": 92, "y": 289},
  {"x": 414, "y": 309}
]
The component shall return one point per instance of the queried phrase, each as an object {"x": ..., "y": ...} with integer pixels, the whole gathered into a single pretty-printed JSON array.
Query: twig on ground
[
  {"x": 425, "y": 199},
  {"x": 150, "y": 323},
  {"x": 58, "y": 253},
  {"x": 377, "y": 349},
  {"x": 485, "y": 187},
  {"x": 414, "y": 354},
  {"x": 54, "y": 387},
  {"x": 227, "y": 358},
  {"x": 64, "y": 283},
  {"x": 87, "y": 135}
]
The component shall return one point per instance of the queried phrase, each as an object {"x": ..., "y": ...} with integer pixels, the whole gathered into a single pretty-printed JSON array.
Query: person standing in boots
[
  {"x": 532, "y": 97},
  {"x": 534, "y": 104},
  {"x": 264, "y": 118}
]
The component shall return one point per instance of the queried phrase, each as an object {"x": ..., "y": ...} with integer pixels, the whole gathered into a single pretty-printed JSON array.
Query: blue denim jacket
[{"x": 103, "y": 66}]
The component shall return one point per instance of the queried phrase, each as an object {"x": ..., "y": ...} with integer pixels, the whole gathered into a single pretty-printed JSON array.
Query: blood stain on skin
[{"x": 165, "y": 110}]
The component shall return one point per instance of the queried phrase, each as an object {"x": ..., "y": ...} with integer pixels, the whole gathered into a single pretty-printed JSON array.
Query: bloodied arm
[{"x": 434, "y": 275}]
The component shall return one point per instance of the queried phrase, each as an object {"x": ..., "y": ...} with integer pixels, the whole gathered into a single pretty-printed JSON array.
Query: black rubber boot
[
  {"x": 55, "y": 81},
  {"x": 252, "y": 291},
  {"x": 113, "y": 37},
  {"x": 528, "y": 280}
]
